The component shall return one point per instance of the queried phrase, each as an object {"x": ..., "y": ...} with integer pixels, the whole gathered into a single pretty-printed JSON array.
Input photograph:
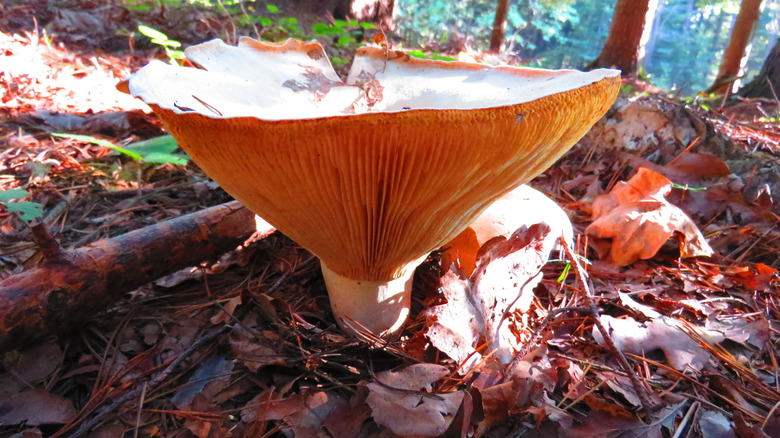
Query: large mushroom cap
[{"x": 375, "y": 172}]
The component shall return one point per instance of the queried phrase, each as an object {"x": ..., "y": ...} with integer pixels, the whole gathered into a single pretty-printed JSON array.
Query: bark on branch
[{"x": 62, "y": 292}]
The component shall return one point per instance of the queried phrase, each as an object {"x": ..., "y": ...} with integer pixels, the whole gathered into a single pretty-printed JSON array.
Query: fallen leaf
[
  {"x": 639, "y": 220},
  {"x": 455, "y": 329},
  {"x": 522, "y": 207},
  {"x": 490, "y": 306},
  {"x": 394, "y": 406},
  {"x": 35, "y": 407},
  {"x": 713, "y": 424},
  {"x": 211, "y": 377},
  {"x": 415, "y": 377},
  {"x": 32, "y": 366},
  {"x": 695, "y": 168},
  {"x": 306, "y": 415},
  {"x": 598, "y": 424},
  {"x": 503, "y": 400},
  {"x": 225, "y": 313},
  {"x": 664, "y": 334},
  {"x": 252, "y": 346}
]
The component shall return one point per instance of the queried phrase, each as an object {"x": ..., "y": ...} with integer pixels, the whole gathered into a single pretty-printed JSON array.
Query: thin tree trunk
[
  {"x": 499, "y": 26},
  {"x": 733, "y": 58},
  {"x": 73, "y": 285},
  {"x": 652, "y": 34},
  {"x": 623, "y": 46},
  {"x": 767, "y": 82}
]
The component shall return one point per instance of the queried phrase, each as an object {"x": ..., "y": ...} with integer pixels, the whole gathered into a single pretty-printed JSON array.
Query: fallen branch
[{"x": 74, "y": 285}]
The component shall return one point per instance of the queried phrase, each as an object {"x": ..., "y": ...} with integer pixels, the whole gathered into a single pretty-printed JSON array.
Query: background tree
[
  {"x": 499, "y": 26},
  {"x": 767, "y": 82},
  {"x": 624, "y": 44},
  {"x": 734, "y": 57},
  {"x": 683, "y": 52}
]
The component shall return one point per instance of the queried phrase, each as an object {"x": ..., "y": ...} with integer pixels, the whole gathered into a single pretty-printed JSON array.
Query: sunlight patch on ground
[{"x": 34, "y": 75}]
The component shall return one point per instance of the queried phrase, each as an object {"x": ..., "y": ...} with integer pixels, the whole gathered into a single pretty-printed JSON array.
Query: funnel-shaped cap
[{"x": 373, "y": 173}]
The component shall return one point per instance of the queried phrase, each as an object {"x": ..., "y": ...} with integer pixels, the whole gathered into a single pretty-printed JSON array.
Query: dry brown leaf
[
  {"x": 417, "y": 377},
  {"x": 305, "y": 415},
  {"x": 664, "y": 334},
  {"x": 254, "y": 347},
  {"x": 639, "y": 220},
  {"x": 211, "y": 377},
  {"x": 406, "y": 410},
  {"x": 35, "y": 407},
  {"x": 490, "y": 305},
  {"x": 695, "y": 168},
  {"x": 501, "y": 401},
  {"x": 598, "y": 424}
]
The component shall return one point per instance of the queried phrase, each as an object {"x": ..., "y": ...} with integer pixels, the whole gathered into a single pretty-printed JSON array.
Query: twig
[
  {"x": 149, "y": 385},
  {"x": 648, "y": 404},
  {"x": 140, "y": 411}
]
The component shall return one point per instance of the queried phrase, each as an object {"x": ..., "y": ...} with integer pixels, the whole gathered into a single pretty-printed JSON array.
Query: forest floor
[{"x": 248, "y": 346}]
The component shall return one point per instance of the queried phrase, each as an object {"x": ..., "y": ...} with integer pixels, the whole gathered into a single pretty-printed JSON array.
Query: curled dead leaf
[
  {"x": 489, "y": 306},
  {"x": 639, "y": 221}
]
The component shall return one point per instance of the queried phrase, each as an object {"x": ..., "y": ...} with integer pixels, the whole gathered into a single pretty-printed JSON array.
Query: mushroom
[
  {"x": 373, "y": 173},
  {"x": 523, "y": 206}
]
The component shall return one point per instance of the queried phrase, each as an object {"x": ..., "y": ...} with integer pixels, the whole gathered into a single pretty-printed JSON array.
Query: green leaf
[
  {"x": 564, "y": 273},
  {"x": 265, "y": 21},
  {"x": 9, "y": 195},
  {"x": 167, "y": 43},
  {"x": 154, "y": 34},
  {"x": 161, "y": 144},
  {"x": 368, "y": 26},
  {"x": 345, "y": 41},
  {"x": 165, "y": 158},
  {"x": 158, "y": 150},
  {"x": 319, "y": 28},
  {"x": 99, "y": 142},
  {"x": 272, "y": 9},
  {"x": 26, "y": 210},
  {"x": 443, "y": 57}
]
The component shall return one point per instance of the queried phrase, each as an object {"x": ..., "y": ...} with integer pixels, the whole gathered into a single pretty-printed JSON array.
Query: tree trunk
[
  {"x": 623, "y": 46},
  {"x": 373, "y": 11},
  {"x": 73, "y": 285},
  {"x": 767, "y": 82},
  {"x": 499, "y": 26},
  {"x": 734, "y": 57}
]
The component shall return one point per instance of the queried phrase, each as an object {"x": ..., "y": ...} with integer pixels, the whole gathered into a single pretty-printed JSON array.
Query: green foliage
[
  {"x": 25, "y": 210},
  {"x": 170, "y": 46},
  {"x": 423, "y": 55},
  {"x": 683, "y": 53},
  {"x": 136, "y": 6},
  {"x": 531, "y": 24},
  {"x": 159, "y": 150}
]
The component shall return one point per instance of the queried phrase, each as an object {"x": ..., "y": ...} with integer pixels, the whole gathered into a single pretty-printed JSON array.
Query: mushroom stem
[{"x": 379, "y": 306}]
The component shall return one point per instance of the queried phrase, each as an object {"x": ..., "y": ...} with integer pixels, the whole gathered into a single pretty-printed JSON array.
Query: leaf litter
[{"x": 247, "y": 347}]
